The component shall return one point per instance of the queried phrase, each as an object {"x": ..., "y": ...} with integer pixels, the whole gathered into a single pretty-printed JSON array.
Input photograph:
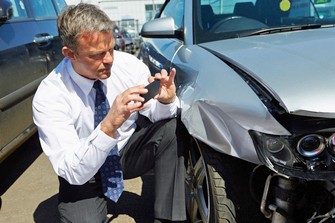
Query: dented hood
[{"x": 298, "y": 67}]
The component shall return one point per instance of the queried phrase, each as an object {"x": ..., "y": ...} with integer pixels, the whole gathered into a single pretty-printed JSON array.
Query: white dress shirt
[{"x": 63, "y": 110}]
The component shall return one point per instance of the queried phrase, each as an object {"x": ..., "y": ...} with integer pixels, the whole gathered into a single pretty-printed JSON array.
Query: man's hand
[
  {"x": 167, "y": 90},
  {"x": 130, "y": 101},
  {"x": 123, "y": 106}
]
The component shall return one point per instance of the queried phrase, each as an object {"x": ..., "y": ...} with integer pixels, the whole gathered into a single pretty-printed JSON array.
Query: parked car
[
  {"x": 29, "y": 49},
  {"x": 119, "y": 41},
  {"x": 128, "y": 41},
  {"x": 255, "y": 81},
  {"x": 136, "y": 38}
]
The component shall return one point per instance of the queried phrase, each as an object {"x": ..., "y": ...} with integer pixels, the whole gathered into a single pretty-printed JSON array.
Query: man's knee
[
  {"x": 176, "y": 133},
  {"x": 92, "y": 210},
  {"x": 171, "y": 127}
]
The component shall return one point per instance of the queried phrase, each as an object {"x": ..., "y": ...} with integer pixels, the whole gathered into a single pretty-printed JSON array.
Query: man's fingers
[
  {"x": 173, "y": 73},
  {"x": 163, "y": 75},
  {"x": 132, "y": 95},
  {"x": 135, "y": 106},
  {"x": 151, "y": 79}
]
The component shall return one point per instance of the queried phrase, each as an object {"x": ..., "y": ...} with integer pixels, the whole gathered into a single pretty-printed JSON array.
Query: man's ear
[{"x": 67, "y": 52}]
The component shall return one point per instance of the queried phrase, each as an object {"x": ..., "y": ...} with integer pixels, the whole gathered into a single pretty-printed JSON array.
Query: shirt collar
[{"x": 83, "y": 83}]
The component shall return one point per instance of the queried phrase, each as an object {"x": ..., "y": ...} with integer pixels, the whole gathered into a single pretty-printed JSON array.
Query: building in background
[{"x": 128, "y": 14}]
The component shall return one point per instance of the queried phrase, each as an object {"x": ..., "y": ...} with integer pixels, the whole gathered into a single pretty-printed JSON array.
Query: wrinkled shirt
[{"x": 63, "y": 110}]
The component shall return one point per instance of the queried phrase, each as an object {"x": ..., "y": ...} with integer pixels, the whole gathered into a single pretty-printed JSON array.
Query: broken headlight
[{"x": 298, "y": 155}]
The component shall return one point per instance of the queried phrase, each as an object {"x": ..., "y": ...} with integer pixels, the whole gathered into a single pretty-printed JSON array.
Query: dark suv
[{"x": 29, "y": 49}]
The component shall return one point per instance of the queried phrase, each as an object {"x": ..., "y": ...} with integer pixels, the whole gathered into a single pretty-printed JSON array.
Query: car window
[
  {"x": 217, "y": 20},
  {"x": 19, "y": 9},
  {"x": 60, "y": 5},
  {"x": 43, "y": 8},
  {"x": 175, "y": 9}
]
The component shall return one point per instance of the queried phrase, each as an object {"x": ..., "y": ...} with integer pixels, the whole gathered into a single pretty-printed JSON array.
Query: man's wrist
[
  {"x": 168, "y": 102},
  {"x": 108, "y": 129}
]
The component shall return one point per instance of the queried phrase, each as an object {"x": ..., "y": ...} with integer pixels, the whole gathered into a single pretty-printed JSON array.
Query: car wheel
[
  {"x": 209, "y": 202},
  {"x": 218, "y": 186}
]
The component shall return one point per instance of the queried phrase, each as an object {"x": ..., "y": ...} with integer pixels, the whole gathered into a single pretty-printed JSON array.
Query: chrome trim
[
  {"x": 17, "y": 142},
  {"x": 20, "y": 94}
]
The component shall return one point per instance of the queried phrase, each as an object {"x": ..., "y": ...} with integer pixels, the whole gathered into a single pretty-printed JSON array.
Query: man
[{"x": 77, "y": 136}]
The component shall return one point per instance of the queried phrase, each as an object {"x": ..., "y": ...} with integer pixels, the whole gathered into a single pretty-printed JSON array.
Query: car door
[
  {"x": 29, "y": 49},
  {"x": 47, "y": 40}
]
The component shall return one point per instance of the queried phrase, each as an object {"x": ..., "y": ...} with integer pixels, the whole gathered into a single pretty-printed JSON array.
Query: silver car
[{"x": 256, "y": 82}]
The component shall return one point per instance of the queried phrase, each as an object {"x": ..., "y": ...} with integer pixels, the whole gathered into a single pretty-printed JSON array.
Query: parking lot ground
[{"x": 29, "y": 190}]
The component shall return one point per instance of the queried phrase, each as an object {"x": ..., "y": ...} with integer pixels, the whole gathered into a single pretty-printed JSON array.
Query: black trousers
[{"x": 159, "y": 146}]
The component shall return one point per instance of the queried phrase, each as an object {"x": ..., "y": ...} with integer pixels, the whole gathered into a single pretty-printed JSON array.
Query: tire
[
  {"x": 219, "y": 188},
  {"x": 223, "y": 209}
]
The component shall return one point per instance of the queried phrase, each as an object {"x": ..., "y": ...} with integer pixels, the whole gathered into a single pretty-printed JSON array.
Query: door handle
[{"x": 43, "y": 39}]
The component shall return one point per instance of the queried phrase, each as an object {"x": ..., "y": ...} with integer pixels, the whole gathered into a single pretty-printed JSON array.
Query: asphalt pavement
[{"x": 29, "y": 190}]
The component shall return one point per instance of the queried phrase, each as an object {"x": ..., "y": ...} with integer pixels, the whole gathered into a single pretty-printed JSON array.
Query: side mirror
[
  {"x": 6, "y": 11},
  {"x": 160, "y": 28}
]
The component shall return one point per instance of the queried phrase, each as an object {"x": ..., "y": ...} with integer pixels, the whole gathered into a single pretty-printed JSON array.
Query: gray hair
[{"x": 79, "y": 19}]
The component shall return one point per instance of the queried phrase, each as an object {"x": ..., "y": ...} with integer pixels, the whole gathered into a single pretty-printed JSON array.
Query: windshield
[{"x": 223, "y": 19}]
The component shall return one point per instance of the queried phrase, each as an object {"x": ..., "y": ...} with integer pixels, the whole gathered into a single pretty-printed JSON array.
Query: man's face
[{"x": 94, "y": 56}]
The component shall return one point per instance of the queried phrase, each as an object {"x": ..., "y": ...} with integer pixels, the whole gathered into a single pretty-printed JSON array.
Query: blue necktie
[{"x": 110, "y": 171}]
